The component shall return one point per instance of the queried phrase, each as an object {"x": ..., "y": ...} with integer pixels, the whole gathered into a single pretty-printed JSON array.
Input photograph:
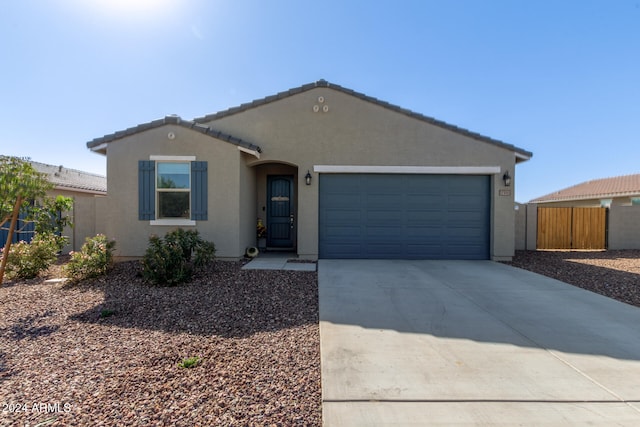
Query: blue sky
[{"x": 558, "y": 78}]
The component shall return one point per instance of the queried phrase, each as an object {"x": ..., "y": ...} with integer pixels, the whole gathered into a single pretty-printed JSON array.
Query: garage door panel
[
  {"x": 424, "y": 217},
  {"x": 404, "y": 216},
  {"x": 345, "y": 216},
  {"x": 387, "y": 233},
  {"x": 424, "y": 201},
  {"x": 416, "y": 233},
  {"x": 335, "y": 200},
  {"x": 383, "y": 217},
  {"x": 383, "y": 200},
  {"x": 383, "y": 248},
  {"x": 344, "y": 232}
]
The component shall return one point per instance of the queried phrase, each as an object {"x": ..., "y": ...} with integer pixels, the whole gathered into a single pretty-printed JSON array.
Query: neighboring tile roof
[
  {"x": 98, "y": 143},
  {"x": 617, "y": 186},
  {"x": 72, "y": 179},
  {"x": 523, "y": 154}
]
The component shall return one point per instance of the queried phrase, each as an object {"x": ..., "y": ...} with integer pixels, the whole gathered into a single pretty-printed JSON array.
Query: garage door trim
[{"x": 422, "y": 170}]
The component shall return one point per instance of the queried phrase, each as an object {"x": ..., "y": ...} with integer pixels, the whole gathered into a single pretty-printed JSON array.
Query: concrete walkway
[
  {"x": 278, "y": 261},
  {"x": 472, "y": 343}
]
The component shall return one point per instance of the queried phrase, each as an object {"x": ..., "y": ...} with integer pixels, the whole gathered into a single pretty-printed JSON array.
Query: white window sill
[{"x": 173, "y": 222}]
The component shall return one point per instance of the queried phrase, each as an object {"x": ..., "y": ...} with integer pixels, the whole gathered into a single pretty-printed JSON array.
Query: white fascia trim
[
  {"x": 248, "y": 151},
  {"x": 173, "y": 222},
  {"x": 433, "y": 170},
  {"x": 102, "y": 146},
  {"x": 173, "y": 158},
  {"x": 522, "y": 156}
]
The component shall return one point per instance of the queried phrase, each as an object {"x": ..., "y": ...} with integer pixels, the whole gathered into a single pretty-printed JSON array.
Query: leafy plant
[
  {"x": 261, "y": 230},
  {"x": 164, "y": 263},
  {"x": 172, "y": 259},
  {"x": 20, "y": 186},
  {"x": 27, "y": 260},
  {"x": 190, "y": 362},
  {"x": 94, "y": 259},
  {"x": 106, "y": 313}
]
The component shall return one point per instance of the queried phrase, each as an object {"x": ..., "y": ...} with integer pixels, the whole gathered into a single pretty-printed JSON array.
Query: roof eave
[
  {"x": 79, "y": 190},
  {"x": 522, "y": 156},
  {"x": 99, "y": 145}
]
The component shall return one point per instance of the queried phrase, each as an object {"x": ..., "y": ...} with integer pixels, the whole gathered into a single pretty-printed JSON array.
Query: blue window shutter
[
  {"x": 146, "y": 189},
  {"x": 199, "y": 190}
]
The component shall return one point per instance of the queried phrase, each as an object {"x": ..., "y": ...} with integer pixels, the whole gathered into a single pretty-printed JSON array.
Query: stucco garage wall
[
  {"x": 121, "y": 207},
  {"x": 356, "y": 132}
]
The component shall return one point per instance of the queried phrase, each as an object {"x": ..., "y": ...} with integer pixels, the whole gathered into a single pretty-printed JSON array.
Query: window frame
[{"x": 172, "y": 221}]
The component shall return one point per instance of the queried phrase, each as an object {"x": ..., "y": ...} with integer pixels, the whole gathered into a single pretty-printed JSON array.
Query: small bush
[
  {"x": 107, "y": 313},
  {"x": 164, "y": 263},
  {"x": 94, "y": 259},
  {"x": 171, "y": 260},
  {"x": 27, "y": 260},
  {"x": 189, "y": 362}
]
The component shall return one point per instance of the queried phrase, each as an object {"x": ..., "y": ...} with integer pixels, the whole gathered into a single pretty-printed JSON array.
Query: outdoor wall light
[
  {"x": 307, "y": 178},
  {"x": 507, "y": 179}
]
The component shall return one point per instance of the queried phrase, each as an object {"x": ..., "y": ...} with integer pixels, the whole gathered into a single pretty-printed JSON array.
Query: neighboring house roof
[
  {"x": 605, "y": 188},
  {"x": 521, "y": 155},
  {"x": 100, "y": 144},
  {"x": 72, "y": 179}
]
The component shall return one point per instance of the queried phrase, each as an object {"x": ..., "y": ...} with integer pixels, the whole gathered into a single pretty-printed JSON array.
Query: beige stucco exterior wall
[
  {"x": 247, "y": 213},
  {"x": 624, "y": 227},
  {"x": 521, "y": 227},
  {"x": 356, "y": 132},
  {"x": 224, "y": 182},
  {"x": 526, "y": 227},
  {"x": 83, "y": 217}
]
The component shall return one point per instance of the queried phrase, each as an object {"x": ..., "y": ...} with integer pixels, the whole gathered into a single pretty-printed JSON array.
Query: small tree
[{"x": 20, "y": 185}]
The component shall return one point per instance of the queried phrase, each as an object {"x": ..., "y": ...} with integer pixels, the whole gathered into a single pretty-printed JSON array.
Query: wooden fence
[{"x": 572, "y": 228}]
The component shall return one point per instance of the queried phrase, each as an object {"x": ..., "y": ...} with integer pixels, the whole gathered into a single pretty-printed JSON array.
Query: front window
[{"x": 173, "y": 185}]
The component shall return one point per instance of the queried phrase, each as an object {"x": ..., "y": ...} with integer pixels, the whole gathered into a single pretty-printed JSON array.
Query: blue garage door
[{"x": 404, "y": 216}]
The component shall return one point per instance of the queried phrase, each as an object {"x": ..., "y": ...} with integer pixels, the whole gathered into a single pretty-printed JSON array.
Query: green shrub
[
  {"x": 164, "y": 263},
  {"x": 94, "y": 259},
  {"x": 172, "y": 259},
  {"x": 106, "y": 313},
  {"x": 27, "y": 260},
  {"x": 189, "y": 362}
]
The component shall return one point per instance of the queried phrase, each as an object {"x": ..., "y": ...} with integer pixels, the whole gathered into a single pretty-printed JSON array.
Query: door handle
[{"x": 291, "y": 220}]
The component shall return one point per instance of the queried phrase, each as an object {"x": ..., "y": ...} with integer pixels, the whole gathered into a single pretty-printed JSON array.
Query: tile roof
[
  {"x": 72, "y": 179},
  {"x": 617, "y": 186},
  {"x": 99, "y": 144},
  {"x": 521, "y": 154}
]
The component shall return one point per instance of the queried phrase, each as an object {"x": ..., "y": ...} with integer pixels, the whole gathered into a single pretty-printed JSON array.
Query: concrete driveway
[{"x": 472, "y": 342}]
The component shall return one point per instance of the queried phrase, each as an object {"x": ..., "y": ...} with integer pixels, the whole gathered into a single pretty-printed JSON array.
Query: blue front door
[{"x": 280, "y": 213}]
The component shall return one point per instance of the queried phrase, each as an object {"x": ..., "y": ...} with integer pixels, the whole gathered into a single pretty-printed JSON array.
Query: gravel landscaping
[
  {"x": 107, "y": 352},
  {"x": 615, "y": 274}
]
